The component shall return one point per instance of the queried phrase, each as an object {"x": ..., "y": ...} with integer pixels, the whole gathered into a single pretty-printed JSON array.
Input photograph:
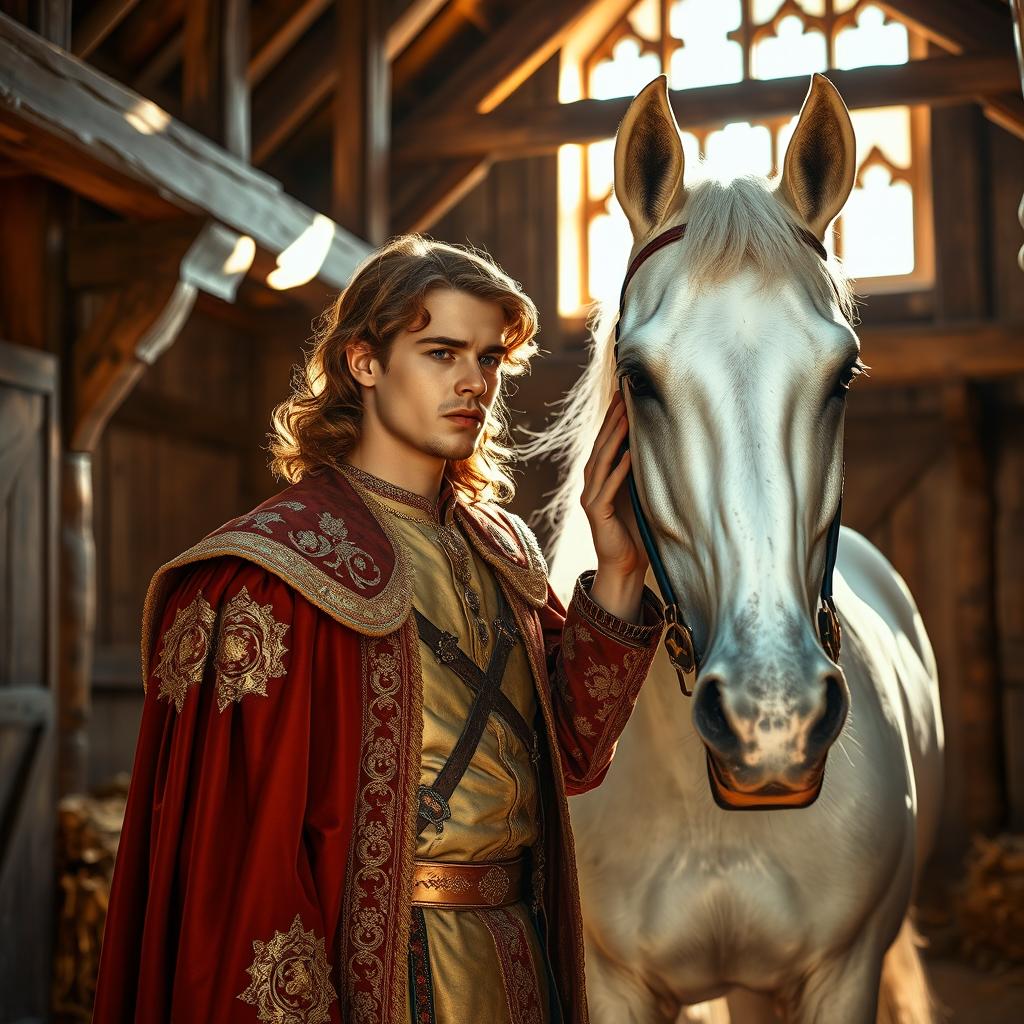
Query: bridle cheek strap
[{"x": 679, "y": 636}]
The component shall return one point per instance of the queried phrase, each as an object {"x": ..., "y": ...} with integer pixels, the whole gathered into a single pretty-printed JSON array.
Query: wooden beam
[
  {"x": 968, "y": 26},
  {"x": 361, "y": 121},
  {"x": 436, "y": 193},
  {"x": 72, "y": 124},
  {"x": 277, "y": 26},
  {"x": 919, "y": 356},
  {"x": 97, "y": 23},
  {"x": 299, "y": 84},
  {"x": 504, "y": 134},
  {"x": 410, "y": 23},
  {"x": 495, "y": 70},
  {"x": 215, "y": 88}
]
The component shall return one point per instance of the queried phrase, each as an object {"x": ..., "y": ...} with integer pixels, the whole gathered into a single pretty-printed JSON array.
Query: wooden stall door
[{"x": 28, "y": 627}]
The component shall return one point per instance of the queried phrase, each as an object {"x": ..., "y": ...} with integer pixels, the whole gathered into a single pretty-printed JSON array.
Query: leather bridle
[{"x": 679, "y": 637}]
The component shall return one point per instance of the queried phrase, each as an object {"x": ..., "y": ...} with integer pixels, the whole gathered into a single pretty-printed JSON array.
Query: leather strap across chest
[
  {"x": 679, "y": 636},
  {"x": 487, "y": 697}
]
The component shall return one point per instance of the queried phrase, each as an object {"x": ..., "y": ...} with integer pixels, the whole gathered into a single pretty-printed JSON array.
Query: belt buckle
[{"x": 433, "y": 807}]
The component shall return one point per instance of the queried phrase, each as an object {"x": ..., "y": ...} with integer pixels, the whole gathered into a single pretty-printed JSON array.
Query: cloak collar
[{"x": 322, "y": 539}]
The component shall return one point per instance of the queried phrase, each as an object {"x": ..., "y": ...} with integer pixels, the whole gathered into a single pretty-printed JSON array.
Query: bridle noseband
[{"x": 679, "y": 637}]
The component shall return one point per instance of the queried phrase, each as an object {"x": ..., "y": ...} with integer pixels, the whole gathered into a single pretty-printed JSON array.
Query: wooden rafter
[
  {"x": 503, "y": 134},
  {"x": 361, "y": 120},
  {"x": 71, "y": 124},
  {"x": 968, "y": 26},
  {"x": 98, "y": 22},
  {"x": 495, "y": 70},
  {"x": 410, "y": 23},
  {"x": 215, "y": 88}
]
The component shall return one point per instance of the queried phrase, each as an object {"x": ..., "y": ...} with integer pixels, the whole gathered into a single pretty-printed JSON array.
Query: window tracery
[{"x": 881, "y": 235}]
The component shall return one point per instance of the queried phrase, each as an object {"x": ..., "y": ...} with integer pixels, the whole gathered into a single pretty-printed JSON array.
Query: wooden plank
[
  {"x": 961, "y": 256},
  {"x": 215, "y": 87},
  {"x": 973, "y": 576},
  {"x": 505, "y": 134},
  {"x": 71, "y": 123},
  {"x": 361, "y": 117},
  {"x": 97, "y": 23},
  {"x": 434, "y": 194},
  {"x": 902, "y": 356}
]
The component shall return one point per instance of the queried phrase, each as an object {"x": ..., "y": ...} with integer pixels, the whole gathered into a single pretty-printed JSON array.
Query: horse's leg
[
  {"x": 844, "y": 989},
  {"x": 746, "y": 1007},
  {"x": 619, "y": 996},
  {"x": 905, "y": 996}
]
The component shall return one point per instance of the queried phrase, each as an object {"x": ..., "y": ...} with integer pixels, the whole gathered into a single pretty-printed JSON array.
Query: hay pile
[{"x": 990, "y": 903}]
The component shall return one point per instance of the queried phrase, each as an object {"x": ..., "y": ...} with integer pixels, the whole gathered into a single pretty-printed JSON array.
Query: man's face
[{"x": 451, "y": 366}]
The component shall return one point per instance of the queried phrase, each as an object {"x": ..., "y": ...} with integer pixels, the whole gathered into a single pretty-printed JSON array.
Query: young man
[{"x": 365, "y": 707}]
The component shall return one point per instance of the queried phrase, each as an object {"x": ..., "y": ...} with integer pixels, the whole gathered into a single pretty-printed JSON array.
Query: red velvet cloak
[{"x": 265, "y": 863}]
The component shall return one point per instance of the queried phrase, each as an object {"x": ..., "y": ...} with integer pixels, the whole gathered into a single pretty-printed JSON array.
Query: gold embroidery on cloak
[
  {"x": 185, "y": 649},
  {"x": 250, "y": 651},
  {"x": 291, "y": 981}
]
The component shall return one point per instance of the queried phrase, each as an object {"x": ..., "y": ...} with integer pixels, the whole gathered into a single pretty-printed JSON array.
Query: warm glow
[
  {"x": 147, "y": 118},
  {"x": 241, "y": 256},
  {"x": 877, "y": 230},
  {"x": 302, "y": 259}
]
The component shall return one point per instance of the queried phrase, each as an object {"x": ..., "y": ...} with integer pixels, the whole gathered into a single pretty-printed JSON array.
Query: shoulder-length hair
[{"x": 322, "y": 419}]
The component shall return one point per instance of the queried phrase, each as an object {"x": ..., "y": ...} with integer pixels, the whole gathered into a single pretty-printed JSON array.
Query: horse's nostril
[
  {"x": 826, "y": 729},
  {"x": 710, "y": 718}
]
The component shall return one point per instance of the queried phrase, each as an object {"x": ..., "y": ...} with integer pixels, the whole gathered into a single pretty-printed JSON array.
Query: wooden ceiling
[{"x": 423, "y": 83}]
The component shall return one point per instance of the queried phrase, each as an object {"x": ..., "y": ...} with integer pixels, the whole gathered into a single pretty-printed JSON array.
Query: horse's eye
[
  {"x": 639, "y": 383},
  {"x": 846, "y": 378}
]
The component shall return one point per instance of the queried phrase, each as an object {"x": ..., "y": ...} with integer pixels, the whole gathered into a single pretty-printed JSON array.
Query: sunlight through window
[{"x": 703, "y": 43}]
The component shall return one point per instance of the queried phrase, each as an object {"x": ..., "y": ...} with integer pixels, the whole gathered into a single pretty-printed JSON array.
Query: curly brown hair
[{"x": 321, "y": 421}]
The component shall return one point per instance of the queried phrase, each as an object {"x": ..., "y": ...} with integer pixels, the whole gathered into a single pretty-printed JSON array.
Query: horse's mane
[{"x": 730, "y": 225}]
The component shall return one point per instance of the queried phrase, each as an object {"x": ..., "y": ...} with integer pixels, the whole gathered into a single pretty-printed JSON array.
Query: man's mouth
[{"x": 466, "y": 418}]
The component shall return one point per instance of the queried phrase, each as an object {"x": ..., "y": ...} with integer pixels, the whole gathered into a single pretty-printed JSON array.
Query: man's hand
[{"x": 621, "y": 558}]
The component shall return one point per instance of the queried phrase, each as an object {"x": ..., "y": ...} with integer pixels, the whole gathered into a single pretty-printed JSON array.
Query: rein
[{"x": 679, "y": 636}]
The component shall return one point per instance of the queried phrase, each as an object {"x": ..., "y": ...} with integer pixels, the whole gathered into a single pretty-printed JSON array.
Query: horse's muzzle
[{"x": 772, "y": 797}]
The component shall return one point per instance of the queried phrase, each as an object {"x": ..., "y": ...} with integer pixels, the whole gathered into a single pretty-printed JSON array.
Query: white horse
[{"x": 737, "y": 351}]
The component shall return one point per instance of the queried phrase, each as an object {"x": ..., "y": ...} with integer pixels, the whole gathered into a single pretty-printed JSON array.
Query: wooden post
[
  {"x": 362, "y": 116},
  {"x": 972, "y": 572},
  {"x": 215, "y": 88}
]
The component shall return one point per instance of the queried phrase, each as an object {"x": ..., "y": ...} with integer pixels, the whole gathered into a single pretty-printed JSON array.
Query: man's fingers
[
  {"x": 602, "y": 460},
  {"x": 616, "y": 412},
  {"x": 606, "y": 495}
]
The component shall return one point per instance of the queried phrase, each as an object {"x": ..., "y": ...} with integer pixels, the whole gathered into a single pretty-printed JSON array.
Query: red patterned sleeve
[
  {"x": 596, "y": 663},
  {"x": 228, "y": 882}
]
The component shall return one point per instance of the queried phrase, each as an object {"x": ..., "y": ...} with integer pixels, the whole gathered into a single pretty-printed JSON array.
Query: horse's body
[
  {"x": 736, "y": 436},
  {"x": 684, "y": 901}
]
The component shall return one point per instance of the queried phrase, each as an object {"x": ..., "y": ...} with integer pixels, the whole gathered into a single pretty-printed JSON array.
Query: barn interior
[{"x": 186, "y": 185}]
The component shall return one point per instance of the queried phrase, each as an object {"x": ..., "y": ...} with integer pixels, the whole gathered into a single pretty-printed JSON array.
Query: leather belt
[{"x": 480, "y": 884}]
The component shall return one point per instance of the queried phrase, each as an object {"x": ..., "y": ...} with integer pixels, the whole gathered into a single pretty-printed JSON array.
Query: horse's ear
[
  {"x": 648, "y": 158},
  {"x": 820, "y": 164}
]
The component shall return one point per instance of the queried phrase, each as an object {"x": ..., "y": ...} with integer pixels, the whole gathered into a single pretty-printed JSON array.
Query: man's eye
[
  {"x": 491, "y": 361},
  {"x": 439, "y": 351}
]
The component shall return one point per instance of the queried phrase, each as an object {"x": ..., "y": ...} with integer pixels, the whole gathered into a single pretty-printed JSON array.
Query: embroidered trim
[
  {"x": 632, "y": 634},
  {"x": 186, "y": 646},
  {"x": 250, "y": 650},
  {"x": 376, "y": 922},
  {"x": 518, "y": 969},
  {"x": 421, "y": 980},
  {"x": 529, "y": 580},
  {"x": 372, "y": 616},
  {"x": 291, "y": 981},
  {"x": 389, "y": 490}
]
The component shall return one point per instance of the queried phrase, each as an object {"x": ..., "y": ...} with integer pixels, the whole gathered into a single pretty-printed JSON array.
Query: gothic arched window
[{"x": 883, "y": 234}]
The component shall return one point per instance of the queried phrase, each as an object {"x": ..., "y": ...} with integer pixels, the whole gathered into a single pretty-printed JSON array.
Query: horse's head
[{"x": 736, "y": 352}]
